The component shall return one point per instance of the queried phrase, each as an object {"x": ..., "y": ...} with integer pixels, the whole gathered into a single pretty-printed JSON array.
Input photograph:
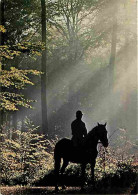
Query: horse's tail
[{"x": 57, "y": 158}]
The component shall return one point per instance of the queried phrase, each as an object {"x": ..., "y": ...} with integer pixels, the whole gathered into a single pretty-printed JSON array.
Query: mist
[{"x": 84, "y": 83}]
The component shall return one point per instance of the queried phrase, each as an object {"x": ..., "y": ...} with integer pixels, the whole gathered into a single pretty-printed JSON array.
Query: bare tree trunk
[
  {"x": 15, "y": 119},
  {"x": 113, "y": 50},
  {"x": 43, "y": 69},
  {"x": 129, "y": 110},
  {"x": 112, "y": 68},
  {"x": 125, "y": 66}
]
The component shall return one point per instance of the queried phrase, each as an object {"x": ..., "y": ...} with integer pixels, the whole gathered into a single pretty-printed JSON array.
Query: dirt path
[
  {"x": 17, "y": 190},
  {"x": 36, "y": 190}
]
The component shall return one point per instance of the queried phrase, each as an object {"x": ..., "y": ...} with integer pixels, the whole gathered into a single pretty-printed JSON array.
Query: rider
[{"x": 79, "y": 130}]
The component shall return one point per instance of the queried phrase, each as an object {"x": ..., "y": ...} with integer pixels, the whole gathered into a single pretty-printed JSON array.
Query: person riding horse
[
  {"x": 79, "y": 130},
  {"x": 87, "y": 155}
]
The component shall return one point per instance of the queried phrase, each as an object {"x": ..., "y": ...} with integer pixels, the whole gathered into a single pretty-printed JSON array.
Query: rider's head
[{"x": 79, "y": 114}]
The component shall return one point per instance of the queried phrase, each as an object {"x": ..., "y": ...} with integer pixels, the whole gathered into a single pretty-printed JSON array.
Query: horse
[{"x": 83, "y": 155}]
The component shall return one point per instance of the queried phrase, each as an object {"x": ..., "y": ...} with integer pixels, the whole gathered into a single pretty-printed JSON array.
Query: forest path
[{"x": 17, "y": 190}]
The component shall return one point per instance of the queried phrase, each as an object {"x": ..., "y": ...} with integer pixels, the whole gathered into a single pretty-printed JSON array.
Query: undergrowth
[{"x": 27, "y": 159}]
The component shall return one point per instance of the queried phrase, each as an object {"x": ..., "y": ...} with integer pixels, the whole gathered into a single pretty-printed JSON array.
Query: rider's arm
[
  {"x": 72, "y": 128},
  {"x": 85, "y": 130}
]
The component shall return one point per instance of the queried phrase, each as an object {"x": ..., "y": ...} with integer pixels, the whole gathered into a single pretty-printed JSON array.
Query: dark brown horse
[{"x": 87, "y": 153}]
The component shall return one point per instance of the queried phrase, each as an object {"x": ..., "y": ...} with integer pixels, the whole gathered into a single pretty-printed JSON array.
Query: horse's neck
[{"x": 92, "y": 141}]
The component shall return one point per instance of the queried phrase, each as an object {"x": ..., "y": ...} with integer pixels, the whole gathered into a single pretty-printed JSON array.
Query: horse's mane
[{"x": 92, "y": 132}]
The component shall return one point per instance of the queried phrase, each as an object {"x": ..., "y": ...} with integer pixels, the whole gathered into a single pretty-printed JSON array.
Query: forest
[{"x": 57, "y": 57}]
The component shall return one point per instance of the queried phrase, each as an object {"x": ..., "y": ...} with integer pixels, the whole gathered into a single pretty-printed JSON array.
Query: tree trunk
[
  {"x": 1, "y": 67},
  {"x": 113, "y": 51},
  {"x": 129, "y": 97},
  {"x": 1, "y": 21},
  {"x": 125, "y": 66},
  {"x": 112, "y": 69},
  {"x": 43, "y": 69},
  {"x": 15, "y": 119},
  {"x": 1, "y": 43}
]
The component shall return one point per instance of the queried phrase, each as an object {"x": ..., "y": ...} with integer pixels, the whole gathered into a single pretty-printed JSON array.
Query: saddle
[{"x": 78, "y": 146}]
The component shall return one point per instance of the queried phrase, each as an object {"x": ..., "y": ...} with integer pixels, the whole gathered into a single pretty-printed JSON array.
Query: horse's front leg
[
  {"x": 92, "y": 173},
  {"x": 83, "y": 167}
]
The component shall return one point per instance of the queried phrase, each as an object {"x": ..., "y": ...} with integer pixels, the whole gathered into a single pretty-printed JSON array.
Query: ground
[{"x": 17, "y": 190}]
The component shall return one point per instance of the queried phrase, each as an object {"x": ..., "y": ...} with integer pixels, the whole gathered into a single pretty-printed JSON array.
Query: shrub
[{"x": 26, "y": 157}]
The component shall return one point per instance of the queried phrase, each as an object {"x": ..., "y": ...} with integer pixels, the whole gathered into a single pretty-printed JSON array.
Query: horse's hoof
[
  {"x": 82, "y": 188},
  {"x": 92, "y": 186},
  {"x": 56, "y": 189},
  {"x": 63, "y": 187}
]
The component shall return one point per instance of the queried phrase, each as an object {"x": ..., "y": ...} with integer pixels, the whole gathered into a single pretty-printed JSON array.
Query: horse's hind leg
[
  {"x": 65, "y": 164},
  {"x": 92, "y": 174},
  {"x": 83, "y": 166},
  {"x": 57, "y": 168}
]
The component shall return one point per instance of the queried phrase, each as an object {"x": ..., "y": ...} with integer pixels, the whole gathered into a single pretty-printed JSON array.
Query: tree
[
  {"x": 26, "y": 157},
  {"x": 14, "y": 80},
  {"x": 72, "y": 34},
  {"x": 2, "y": 30},
  {"x": 113, "y": 45},
  {"x": 22, "y": 20},
  {"x": 75, "y": 27},
  {"x": 122, "y": 45},
  {"x": 112, "y": 61},
  {"x": 1, "y": 21},
  {"x": 24, "y": 24},
  {"x": 43, "y": 69}
]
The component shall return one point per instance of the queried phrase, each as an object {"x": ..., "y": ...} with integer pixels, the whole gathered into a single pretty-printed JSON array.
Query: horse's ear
[
  {"x": 98, "y": 124},
  {"x": 105, "y": 124}
]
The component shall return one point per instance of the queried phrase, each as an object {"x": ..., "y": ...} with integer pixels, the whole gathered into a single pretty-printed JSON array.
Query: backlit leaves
[
  {"x": 11, "y": 101},
  {"x": 26, "y": 156},
  {"x": 12, "y": 81},
  {"x": 2, "y": 29},
  {"x": 15, "y": 79}
]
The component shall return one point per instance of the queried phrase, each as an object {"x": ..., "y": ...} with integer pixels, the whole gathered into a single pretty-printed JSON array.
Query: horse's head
[{"x": 102, "y": 134}]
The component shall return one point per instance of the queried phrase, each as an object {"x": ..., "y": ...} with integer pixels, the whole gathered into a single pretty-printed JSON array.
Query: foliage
[
  {"x": 2, "y": 29},
  {"x": 120, "y": 153},
  {"x": 22, "y": 20},
  {"x": 14, "y": 79},
  {"x": 73, "y": 23},
  {"x": 24, "y": 157},
  {"x": 27, "y": 157},
  {"x": 73, "y": 28},
  {"x": 11, "y": 51}
]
